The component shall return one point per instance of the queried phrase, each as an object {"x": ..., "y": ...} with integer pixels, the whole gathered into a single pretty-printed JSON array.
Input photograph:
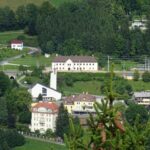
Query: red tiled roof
[
  {"x": 16, "y": 42},
  {"x": 48, "y": 105},
  {"x": 75, "y": 59}
]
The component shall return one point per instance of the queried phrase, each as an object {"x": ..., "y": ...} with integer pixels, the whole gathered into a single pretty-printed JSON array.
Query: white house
[
  {"x": 46, "y": 92},
  {"x": 44, "y": 116},
  {"x": 141, "y": 24},
  {"x": 75, "y": 63},
  {"x": 142, "y": 98},
  {"x": 17, "y": 44}
]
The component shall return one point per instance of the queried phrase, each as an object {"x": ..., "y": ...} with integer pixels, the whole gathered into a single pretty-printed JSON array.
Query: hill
[{"x": 15, "y": 3}]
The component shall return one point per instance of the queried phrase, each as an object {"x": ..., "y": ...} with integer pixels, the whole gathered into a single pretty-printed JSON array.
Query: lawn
[
  {"x": 92, "y": 87},
  {"x": 29, "y": 60},
  {"x": 6, "y": 37},
  {"x": 140, "y": 85},
  {"x": 38, "y": 145},
  {"x": 15, "y": 3}
]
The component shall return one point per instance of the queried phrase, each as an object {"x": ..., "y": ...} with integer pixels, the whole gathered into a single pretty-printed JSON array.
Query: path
[
  {"x": 43, "y": 140},
  {"x": 19, "y": 81},
  {"x": 32, "y": 50}
]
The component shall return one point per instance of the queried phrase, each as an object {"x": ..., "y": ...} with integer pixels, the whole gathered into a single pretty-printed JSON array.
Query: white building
[
  {"x": 141, "y": 24},
  {"x": 44, "y": 116},
  {"x": 47, "y": 93},
  {"x": 17, "y": 44},
  {"x": 75, "y": 63},
  {"x": 142, "y": 98}
]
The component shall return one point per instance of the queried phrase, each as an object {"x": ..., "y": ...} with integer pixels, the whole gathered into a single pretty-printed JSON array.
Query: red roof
[
  {"x": 16, "y": 42},
  {"x": 48, "y": 105}
]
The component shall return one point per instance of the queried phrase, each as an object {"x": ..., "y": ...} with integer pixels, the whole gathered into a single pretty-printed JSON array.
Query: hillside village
[{"x": 75, "y": 75}]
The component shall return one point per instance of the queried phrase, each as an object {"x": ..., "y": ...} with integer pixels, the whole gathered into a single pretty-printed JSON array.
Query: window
[{"x": 44, "y": 91}]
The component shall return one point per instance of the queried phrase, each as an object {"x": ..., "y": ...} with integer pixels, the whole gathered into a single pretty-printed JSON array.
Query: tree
[
  {"x": 136, "y": 75},
  {"x": 3, "y": 111},
  {"x": 135, "y": 110},
  {"x": 146, "y": 76},
  {"x": 40, "y": 97},
  {"x": 4, "y": 83},
  {"x": 62, "y": 122},
  {"x": 107, "y": 129}
]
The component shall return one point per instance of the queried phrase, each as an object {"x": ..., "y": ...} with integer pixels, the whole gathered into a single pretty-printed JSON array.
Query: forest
[{"x": 99, "y": 27}]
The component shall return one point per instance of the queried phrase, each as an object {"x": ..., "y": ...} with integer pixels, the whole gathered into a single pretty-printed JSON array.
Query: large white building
[
  {"x": 44, "y": 116},
  {"x": 75, "y": 63},
  {"x": 17, "y": 44},
  {"x": 48, "y": 93}
]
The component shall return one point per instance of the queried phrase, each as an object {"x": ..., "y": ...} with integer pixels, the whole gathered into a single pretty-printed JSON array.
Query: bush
[{"x": 146, "y": 76}]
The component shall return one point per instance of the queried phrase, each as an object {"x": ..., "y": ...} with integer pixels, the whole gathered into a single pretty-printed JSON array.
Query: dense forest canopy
[{"x": 99, "y": 27}]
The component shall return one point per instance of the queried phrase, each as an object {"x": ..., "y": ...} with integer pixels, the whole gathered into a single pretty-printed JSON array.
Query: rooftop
[
  {"x": 81, "y": 97},
  {"x": 16, "y": 42},
  {"x": 75, "y": 59},
  {"x": 142, "y": 94},
  {"x": 47, "y": 105}
]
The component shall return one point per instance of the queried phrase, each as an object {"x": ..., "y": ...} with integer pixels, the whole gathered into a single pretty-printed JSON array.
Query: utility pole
[{"x": 108, "y": 63}]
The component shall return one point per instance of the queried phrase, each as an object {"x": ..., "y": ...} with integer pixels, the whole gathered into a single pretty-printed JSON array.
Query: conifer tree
[{"x": 107, "y": 130}]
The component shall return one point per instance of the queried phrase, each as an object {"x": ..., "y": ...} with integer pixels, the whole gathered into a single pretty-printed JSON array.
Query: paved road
[{"x": 6, "y": 61}]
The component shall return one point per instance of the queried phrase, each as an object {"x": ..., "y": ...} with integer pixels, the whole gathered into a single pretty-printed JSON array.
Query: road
[{"x": 6, "y": 61}]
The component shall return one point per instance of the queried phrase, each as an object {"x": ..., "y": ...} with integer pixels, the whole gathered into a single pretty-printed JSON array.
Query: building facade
[
  {"x": 80, "y": 104},
  {"x": 44, "y": 116},
  {"x": 142, "y": 98},
  {"x": 75, "y": 63},
  {"x": 47, "y": 93},
  {"x": 17, "y": 44}
]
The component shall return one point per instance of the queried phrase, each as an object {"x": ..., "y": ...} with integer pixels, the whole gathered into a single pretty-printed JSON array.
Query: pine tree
[
  {"x": 62, "y": 122},
  {"x": 107, "y": 130}
]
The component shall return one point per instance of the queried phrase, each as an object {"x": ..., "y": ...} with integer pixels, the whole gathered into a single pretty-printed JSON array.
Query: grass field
[
  {"x": 33, "y": 61},
  {"x": 38, "y": 145},
  {"x": 6, "y": 37},
  {"x": 92, "y": 87},
  {"x": 15, "y": 3}
]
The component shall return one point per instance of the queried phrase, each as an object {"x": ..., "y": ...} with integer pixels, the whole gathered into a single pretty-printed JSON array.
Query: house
[
  {"x": 140, "y": 24},
  {"x": 48, "y": 93},
  {"x": 80, "y": 104},
  {"x": 44, "y": 116},
  {"x": 75, "y": 63},
  {"x": 17, "y": 44},
  {"x": 142, "y": 98}
]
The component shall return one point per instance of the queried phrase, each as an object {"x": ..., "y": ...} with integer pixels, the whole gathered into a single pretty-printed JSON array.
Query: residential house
[
  {"x": 142, "y": 98},
  {"x": 17, "y": 44}
]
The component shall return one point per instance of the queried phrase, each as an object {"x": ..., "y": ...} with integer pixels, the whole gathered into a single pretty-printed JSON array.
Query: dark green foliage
[
  {"x": 40, "y": 97},
  {"x": 4, "y": 83},
  {"x": 62, "y": 122},
  {"x": 136, "y": 75},
  {"x": 3, "y": 111},
  {"x": 136, "y": 110},
  {"x": 25, "y": 117},
  {"x": 146, "y": 76},
  {"x": 10, "y": 139}
]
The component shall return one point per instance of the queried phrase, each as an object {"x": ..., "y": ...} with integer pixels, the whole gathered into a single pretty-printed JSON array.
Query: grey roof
[
  {"x": 142, "y": 94},
  {"x": 81, "y": 97},
  {"x": 75, "y": 59}
]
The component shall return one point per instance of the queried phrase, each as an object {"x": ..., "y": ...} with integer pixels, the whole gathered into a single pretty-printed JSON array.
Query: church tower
[{"x": 53, "y": 79}]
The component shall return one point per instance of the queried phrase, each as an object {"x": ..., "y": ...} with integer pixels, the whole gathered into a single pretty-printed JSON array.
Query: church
[{"x": 47, "y": 93}]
